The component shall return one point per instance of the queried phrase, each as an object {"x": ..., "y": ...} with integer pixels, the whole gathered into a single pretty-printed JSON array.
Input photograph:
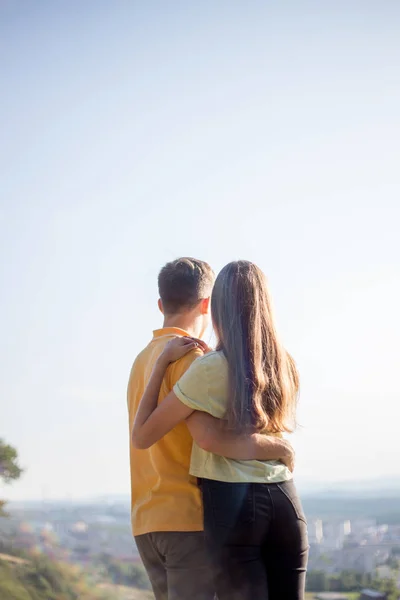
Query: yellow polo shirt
[
  {"x": 205, "y": 387},
  {"x": 164, "y": 496}
]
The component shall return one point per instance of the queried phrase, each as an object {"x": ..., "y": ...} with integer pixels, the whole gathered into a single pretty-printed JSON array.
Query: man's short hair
[{"x": 183, "y": 282}]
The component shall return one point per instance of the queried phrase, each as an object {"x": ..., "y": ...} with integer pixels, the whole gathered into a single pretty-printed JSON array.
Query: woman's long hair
[{"x": 263, "y": 379}]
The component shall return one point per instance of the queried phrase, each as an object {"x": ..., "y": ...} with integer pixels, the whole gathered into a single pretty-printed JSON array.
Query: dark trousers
[
  {"x": 256, "y": 535},
  {"x": 177, "y": 564}
]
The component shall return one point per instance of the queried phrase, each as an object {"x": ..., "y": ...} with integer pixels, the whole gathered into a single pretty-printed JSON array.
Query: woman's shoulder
[
  {"x": 213, "y": 358},
  {"x": 212, "y": 365}
]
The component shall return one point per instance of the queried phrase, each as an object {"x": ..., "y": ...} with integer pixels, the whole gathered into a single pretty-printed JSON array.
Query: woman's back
[{"x": 205, "y": 387}]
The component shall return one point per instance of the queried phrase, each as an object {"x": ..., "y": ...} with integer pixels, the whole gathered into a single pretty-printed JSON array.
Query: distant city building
[
  {"x": 343, "y": 533},
  {"x": 360, "y": 526},
  {"x": 81, "y": 532},
  {"x": 346, "y": 528},
  {"x": 79, "y": 527},
  {"x": 316, "y": 531}
]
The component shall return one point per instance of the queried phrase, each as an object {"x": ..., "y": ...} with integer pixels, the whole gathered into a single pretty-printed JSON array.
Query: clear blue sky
[{"x": 135, "y": 132}]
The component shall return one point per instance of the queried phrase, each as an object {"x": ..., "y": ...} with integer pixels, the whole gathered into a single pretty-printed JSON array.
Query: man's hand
[
  {"x": 214, "y": 436},
  {"x": 289, "y": 458}
]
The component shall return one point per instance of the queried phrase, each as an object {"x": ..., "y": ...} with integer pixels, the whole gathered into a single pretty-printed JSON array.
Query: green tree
[
  {"x": 345, "y": 581},
  {"x": 9, "y": 468},
  {"x": 393, "y": 562},
  {"x": 350, "y": 581},
  {"x": 132, "y": 575},
  {"x": 317, "y": 581},
  {"x": 387, "y": 586},
  {"x": 335, "y": 583}
]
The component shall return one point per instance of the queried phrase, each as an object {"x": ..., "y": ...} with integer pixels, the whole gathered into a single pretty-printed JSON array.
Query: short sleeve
[
  {"x": 179, "y": 368},
  {"x": 192, "y": 387}
]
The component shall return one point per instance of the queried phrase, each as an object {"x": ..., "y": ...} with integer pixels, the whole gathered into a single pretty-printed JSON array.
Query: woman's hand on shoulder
[
  {"x": 179, "y": 346},
  {"x": 202, "y": 346}
]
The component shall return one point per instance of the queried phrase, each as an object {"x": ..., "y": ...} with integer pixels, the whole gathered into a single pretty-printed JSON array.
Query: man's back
[
  {"x": 167, "y": 516},
  {"x": 164, "y": 496}
]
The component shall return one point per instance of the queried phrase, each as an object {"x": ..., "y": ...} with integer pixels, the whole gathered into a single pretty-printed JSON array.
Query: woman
[{"x": 254, "y": 523}]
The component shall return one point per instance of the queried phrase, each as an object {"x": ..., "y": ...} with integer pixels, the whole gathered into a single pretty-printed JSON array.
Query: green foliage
[
  {"x": 393, "y": 562},
  {"x": 387, "y": 586},
  {"x": 133, "y": 575},
  {"x": 346, "y": 581},
  {"x": 10, "y": 587},
  {"x": 350, "y": 581},
  {"x": 43, "y": 579},
  {"x": 3, "y": 513},
  {"x": 9, "y": 468},
  {"x": 317, "y": 581}
]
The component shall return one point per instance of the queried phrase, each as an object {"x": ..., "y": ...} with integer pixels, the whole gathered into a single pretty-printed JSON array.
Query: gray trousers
[{"x": 177, "y": 564}]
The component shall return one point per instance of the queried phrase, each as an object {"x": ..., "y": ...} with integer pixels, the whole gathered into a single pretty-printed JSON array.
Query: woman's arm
[
  {"x": 152, "y": 422},
  {"x": 211, "y": 434},
  {"x": 160, "y": 421}
]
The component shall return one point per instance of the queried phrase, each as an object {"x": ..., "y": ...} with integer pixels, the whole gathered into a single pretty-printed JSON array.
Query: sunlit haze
[{"x": 136, "y": 132}]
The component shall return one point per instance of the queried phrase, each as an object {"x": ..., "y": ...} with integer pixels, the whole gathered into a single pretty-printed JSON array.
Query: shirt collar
[{"x": 169, "y": 331}]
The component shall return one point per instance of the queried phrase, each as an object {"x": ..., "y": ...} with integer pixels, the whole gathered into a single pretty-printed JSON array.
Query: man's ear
[
  {"x": 205, "y": 306},
  {"x": 160, "y": 306}
]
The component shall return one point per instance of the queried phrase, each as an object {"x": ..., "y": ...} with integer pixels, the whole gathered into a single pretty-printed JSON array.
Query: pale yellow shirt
[{"x": 204, "y": 387}]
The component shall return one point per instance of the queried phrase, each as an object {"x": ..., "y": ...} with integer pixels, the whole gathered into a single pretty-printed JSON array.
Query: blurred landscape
[
  {"x": 354, "y": 534},
  {"x": 136, "y": 132}
]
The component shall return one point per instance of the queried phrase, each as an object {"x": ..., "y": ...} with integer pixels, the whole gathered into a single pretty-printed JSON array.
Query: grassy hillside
[
  {"x": 120, "y": 592},
  {"x": 40, "y": 578}
]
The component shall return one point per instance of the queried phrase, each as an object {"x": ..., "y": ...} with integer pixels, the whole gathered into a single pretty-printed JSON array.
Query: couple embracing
[{"x": 214, "y": 509}]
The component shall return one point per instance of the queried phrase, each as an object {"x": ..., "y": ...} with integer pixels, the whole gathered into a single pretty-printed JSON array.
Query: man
[{"x": 167, "y": 518}]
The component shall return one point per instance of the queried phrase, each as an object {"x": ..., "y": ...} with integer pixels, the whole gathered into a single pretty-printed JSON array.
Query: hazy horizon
[{"x": 133, "y": 133}]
